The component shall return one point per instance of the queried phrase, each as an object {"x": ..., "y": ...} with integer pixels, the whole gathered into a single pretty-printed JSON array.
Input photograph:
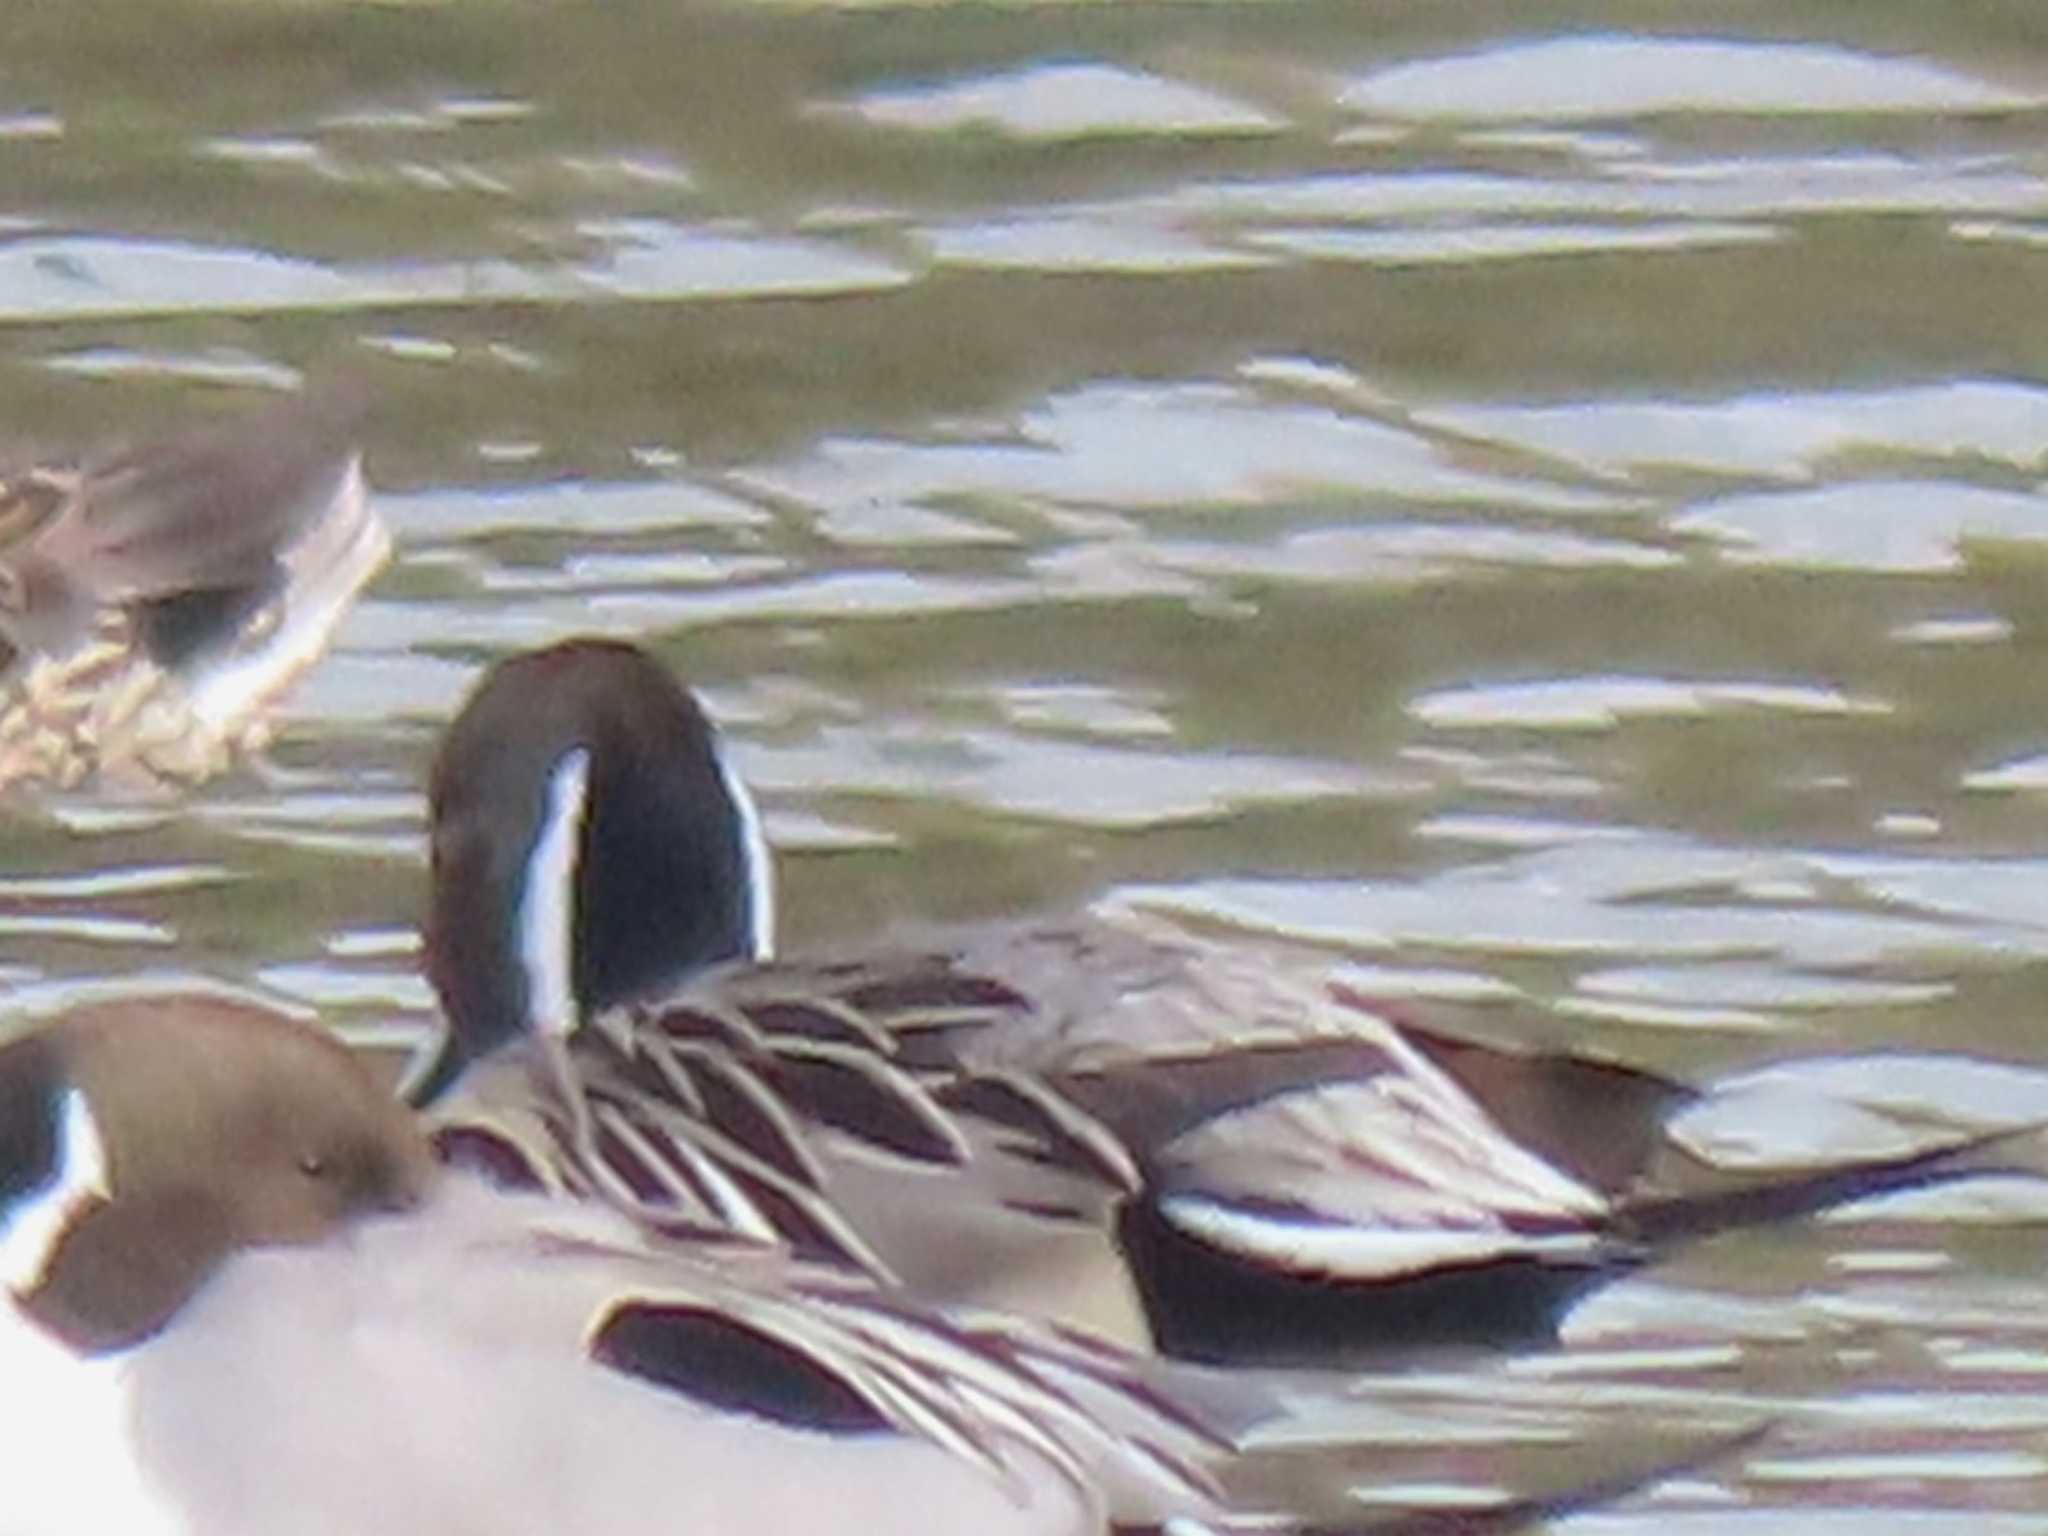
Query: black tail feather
[
  {"x": 1662, "y": 1221},
  {"x": 1516, "y": 1514}
]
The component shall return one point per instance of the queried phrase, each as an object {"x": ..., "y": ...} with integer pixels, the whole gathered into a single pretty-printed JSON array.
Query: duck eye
[{"x": 312, "y": 1165}]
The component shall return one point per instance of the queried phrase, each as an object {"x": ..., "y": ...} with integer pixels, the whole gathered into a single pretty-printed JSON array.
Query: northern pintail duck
[
  {"x": 1246, "y": 1161},
  {"x": 155, "y": 601},
  {"x": 237, "y": 1295}
]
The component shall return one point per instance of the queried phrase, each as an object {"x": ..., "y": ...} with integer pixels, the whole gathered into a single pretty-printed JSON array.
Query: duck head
[
  {"x": 591, "y": 846},
  {"x": 145, "y": 1141}
]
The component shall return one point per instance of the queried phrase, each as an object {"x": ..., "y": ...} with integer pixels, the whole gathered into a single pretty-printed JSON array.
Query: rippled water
[{"x": 1549, "y": 513}]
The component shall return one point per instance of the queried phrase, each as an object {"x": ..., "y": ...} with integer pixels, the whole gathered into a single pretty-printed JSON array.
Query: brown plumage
[{"x": 154, "y": 601}]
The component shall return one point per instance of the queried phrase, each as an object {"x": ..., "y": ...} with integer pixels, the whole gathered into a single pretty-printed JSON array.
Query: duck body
[
  {"x": 1181, "y": 1144},
  {"x": 1204, "y": 1145},
  {"x": 241, "y": 1299},
  {"x": 456, "y": 1390},
  {"x": 155, "y": 601}
]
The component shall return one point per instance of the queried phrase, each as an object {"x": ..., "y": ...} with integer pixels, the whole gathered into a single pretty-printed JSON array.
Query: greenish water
[{"x": 1546, "y": 508}]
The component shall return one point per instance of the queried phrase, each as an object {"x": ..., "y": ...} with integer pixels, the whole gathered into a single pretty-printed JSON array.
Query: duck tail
[
  {"x": 1790, "y": 1196},
  {"x": 1532, "y": 1509}
]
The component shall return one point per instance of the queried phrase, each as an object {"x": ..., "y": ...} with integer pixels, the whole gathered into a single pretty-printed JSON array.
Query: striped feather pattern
[{"x": 736, "y": 1105}]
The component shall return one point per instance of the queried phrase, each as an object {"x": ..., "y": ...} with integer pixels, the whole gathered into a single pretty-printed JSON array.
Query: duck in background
[
  {"x": 237, "y": 1295},
  {"x": 156, "y": 601},
  {"x": 1203, "y": 1145}
]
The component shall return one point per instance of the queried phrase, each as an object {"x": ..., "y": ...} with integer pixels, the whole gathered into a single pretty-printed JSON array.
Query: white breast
[{"x": 68, "y": 1452}]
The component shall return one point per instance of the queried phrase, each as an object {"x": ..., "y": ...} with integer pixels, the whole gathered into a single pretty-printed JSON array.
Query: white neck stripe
[
  {"x": 759, "y": 863},
  {"x": 547, "y": 900},
  {"x": 33, "y": 1226}
]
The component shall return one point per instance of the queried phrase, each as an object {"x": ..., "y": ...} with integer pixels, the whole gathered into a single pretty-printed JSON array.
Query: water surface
[{"x": 1546, "y": 513}]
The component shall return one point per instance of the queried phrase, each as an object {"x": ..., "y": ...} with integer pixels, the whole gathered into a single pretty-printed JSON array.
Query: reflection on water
[{"x": 1549, "y": 518}]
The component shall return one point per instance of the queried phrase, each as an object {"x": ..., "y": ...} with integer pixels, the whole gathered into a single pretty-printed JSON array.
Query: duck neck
[{"x": 632, "y": 876}]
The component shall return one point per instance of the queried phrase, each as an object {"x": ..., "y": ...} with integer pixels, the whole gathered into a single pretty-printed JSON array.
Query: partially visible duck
[
  {"x": 237, "y": 1296},
  {"x": 1245, "y": 1162},
  {"x": 154, "y": 602}
]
